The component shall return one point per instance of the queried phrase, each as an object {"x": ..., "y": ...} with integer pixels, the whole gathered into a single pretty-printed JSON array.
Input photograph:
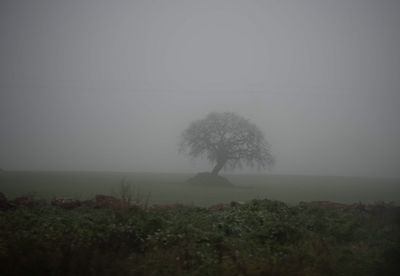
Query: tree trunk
[{"x": 218, "y": 167}]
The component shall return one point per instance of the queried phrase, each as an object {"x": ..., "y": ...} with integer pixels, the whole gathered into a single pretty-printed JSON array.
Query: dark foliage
[{"x": 261, "y": 237}]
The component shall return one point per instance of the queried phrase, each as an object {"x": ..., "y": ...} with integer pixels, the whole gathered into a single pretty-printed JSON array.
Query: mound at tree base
[{"x": 209, "y": 179}]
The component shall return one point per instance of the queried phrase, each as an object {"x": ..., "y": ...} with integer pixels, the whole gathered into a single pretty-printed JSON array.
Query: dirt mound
[
  {"x": 25, "y": 201},
  {"x": 209, "y": 179},
  {"x": 66, "y": 203},
  {"x": 106, "y": 201}
]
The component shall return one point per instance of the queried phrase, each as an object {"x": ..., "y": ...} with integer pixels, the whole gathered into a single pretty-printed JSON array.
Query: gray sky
[{"x": 110, "y": 85}]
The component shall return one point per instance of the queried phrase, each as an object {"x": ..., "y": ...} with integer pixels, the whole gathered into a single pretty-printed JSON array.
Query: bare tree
[{"x": 226, "y": 139}]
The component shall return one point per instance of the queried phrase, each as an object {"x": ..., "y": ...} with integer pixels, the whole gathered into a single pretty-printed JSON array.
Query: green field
[
  {"x": 259, "y": 237},
  {"x": 171, "y": 188}
]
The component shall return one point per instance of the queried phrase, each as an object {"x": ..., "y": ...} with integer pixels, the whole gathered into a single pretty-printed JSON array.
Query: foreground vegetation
[{"x": 261, "y": 237}]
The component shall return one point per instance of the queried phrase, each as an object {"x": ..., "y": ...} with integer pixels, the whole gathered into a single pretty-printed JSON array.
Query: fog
[{"x": 111, "y": 85}]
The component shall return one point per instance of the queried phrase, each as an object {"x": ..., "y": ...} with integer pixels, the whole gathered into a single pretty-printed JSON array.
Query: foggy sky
[{"x": 110, "y": 85}]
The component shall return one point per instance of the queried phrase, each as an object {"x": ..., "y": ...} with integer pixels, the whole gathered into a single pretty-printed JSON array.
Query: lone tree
[{"x": 226, "y": 139}]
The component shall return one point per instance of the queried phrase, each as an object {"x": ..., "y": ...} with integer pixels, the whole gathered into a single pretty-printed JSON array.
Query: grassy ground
[
  {"x": 260, "y": 237},
  {"x": 171, "y": 188}
]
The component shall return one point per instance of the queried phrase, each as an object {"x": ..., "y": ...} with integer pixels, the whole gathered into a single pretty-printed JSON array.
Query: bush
[{"x": 262, "y": 237}]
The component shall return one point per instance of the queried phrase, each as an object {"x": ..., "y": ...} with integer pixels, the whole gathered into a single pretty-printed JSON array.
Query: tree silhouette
[{"x": 226, "y": 139}]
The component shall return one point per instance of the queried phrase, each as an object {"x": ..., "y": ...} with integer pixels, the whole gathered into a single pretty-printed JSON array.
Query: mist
[{"x": 100, "y": 85}]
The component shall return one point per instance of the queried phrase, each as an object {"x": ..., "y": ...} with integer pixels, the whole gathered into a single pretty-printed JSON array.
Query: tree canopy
[{"x": 227, "y": 140}]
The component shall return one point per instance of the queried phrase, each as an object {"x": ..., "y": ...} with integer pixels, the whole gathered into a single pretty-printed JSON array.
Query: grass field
[
  {"x": 171, "y": 188},
  {"x": 259, "y": 237}
]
